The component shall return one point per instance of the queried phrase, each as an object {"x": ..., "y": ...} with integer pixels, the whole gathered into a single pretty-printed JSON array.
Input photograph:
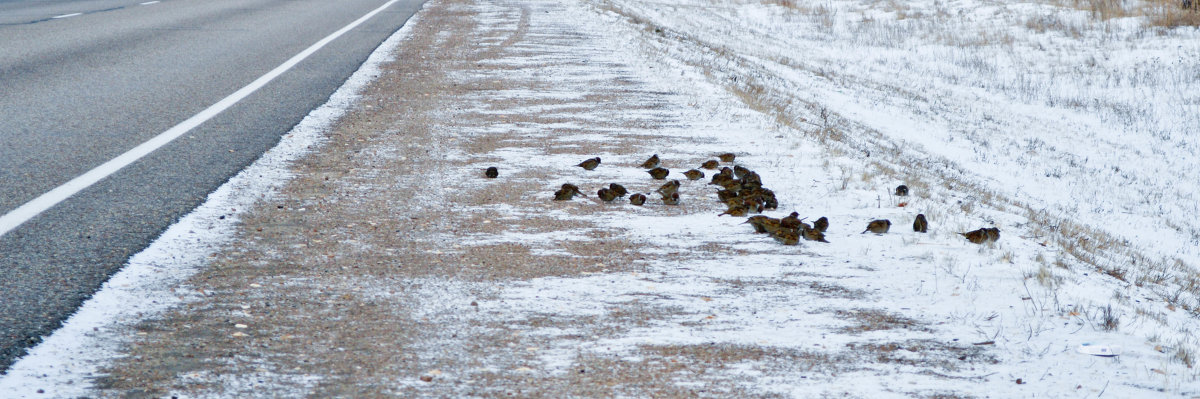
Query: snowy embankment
[{"x": 1059, "y": 130}]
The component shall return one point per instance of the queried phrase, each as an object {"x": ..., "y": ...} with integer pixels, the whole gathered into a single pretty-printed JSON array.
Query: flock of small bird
[{"x": 743, "y": 193}]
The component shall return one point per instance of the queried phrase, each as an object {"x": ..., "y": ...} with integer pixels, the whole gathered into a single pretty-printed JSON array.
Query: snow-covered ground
[{"x": 1076, "y": 137}]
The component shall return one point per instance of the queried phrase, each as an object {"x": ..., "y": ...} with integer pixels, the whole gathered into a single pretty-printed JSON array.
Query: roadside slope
[{"x": 391, "y": 266}]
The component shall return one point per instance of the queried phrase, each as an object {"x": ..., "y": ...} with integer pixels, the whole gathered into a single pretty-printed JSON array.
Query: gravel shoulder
[{"x": 390, "y": 266}]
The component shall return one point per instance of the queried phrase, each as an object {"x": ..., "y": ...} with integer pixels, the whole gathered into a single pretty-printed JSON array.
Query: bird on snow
[
  {"x": 659, "y": 173},
  {"x": 590, "y": 164},
  {"x": 651, "y": 163},
  {"x": 878, "y": 226},
  {"x": 920, "y": 225}
]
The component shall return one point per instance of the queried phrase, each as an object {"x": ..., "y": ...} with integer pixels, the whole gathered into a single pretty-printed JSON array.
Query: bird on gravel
[
  {"x": 727, "y": 157},
  {"x": 637, "y": 199},
  {"x": 672, "y": 199},
  {"x": 669, "y": 188},
  {"x": 659, "y": 173},
  {"x": 694, "y": 174},
  {"x": 619, "y": 189},
  {"x": 590, "y": 164},
  {"x": 606, "y": 195},
  {"x": 821, "y": 224},
  {"x": 786, "y": 237},
  {"x": 879, "y": 226},
  {"x": 492, "y": 172},
  {"x": 982, "y": 235},
  {"x": 902, "y": 191},
  {"x": 651, "y": 163},
  {"x": 710, "y": 164},
  {"x": 920, "y": 225},
  {"x": 567, "y": 192}
]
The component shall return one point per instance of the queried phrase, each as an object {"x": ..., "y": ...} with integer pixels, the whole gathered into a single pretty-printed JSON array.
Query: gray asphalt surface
[{"x": 77, "y": 91}]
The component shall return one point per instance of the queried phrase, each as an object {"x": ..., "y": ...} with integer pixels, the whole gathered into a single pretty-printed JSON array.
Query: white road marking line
[
  {"x": 35, "y": 207},
  {"x": 67, "y": 15},
  {"x": 148, "y": 3}
]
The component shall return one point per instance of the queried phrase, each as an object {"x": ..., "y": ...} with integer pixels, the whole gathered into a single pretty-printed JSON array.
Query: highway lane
[{"x": 79, "y": 90}]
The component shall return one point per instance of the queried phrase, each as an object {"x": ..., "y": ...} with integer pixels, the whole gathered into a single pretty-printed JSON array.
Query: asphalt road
[{"x": 76, "y": 91}]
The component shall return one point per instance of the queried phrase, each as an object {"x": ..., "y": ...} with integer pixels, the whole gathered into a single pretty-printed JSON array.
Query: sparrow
[
  {"x": 786, "y": 237},
  {"x": 821, "y": 224},
  {"x": 727, "y": 157},
  {"x": 920, "y": 225},
  {"x": 651, "y": 163},
  {"x": 878, "y": 226},
  {"x": 724, "y": 195},
  {"x": 735, "y": 210},
  {"x": 694, "y": 174},
  {"x": 902, "y": 190},
  {"x": 492, "y": 172},
  {"x": 793, "y": 222},
  {"x": 739, "y": 171},
  {"x": 567, "y": 192},
  {"x": 606, "y": 195},
  {"x": 619, "y": 189},
  {"x": 669, "y": 188},
  {"x": 814, "y": 235},
  {"x": 672, "y": 199},
  {"x": 763, "y": 224},
  {"x": 993, "y": 234},
  {"x": 590, "y": 164},
  {"x": 710, "y": 164},
  {"x": 659, "y": 173},
  {"x": 637, "y": 199},
  {"x": 751, "y": 179}
]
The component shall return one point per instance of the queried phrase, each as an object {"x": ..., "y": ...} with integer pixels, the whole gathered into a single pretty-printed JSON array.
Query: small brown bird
[
  {"x": 651, "y": 163},
  {"x": 982, "y": 235},
  {"x": 993, "y": 234},
  {"x": 637, "y": 199},
  {"x": 606, "y": 195},
  {"x": 492, "y": 172},
  {"x": 920, "y": 225},
  {"x": 659, "y": 173},
  {"x": 902, "y": 190},
  {"x": 821, "y": 224},
  {"x": 572, "y": 188},
  {"x": 710, "y": 164},
  {"x": 619, "y": 189},
  {"x": 727, "y": 157},
  {"x": 786, "y": 237},
  {"x": 761, "y": 223},
  {"x": 879, "y": 226},
  {"x": 739, "y": 171},
  {"x": 694, "y": 174},
  {"x": 590, "y": 164},
  {"x": 567, "y": 192},
  {"x": 736, "y": 210},
  {"x": 793, "y": 222},
  {"x": 672, "y": 199},
  {"x": 668, "y": 188},
  {"x": 814, "y": 235}
]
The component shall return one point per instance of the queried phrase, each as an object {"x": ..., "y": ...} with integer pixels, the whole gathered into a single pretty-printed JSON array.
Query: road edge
[{"x": 65, "y": 362}]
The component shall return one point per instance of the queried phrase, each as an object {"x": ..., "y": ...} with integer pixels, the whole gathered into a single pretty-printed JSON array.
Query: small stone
[
  {"x": 239, "y": 325},
  {"x": 427, "y": 378}
]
